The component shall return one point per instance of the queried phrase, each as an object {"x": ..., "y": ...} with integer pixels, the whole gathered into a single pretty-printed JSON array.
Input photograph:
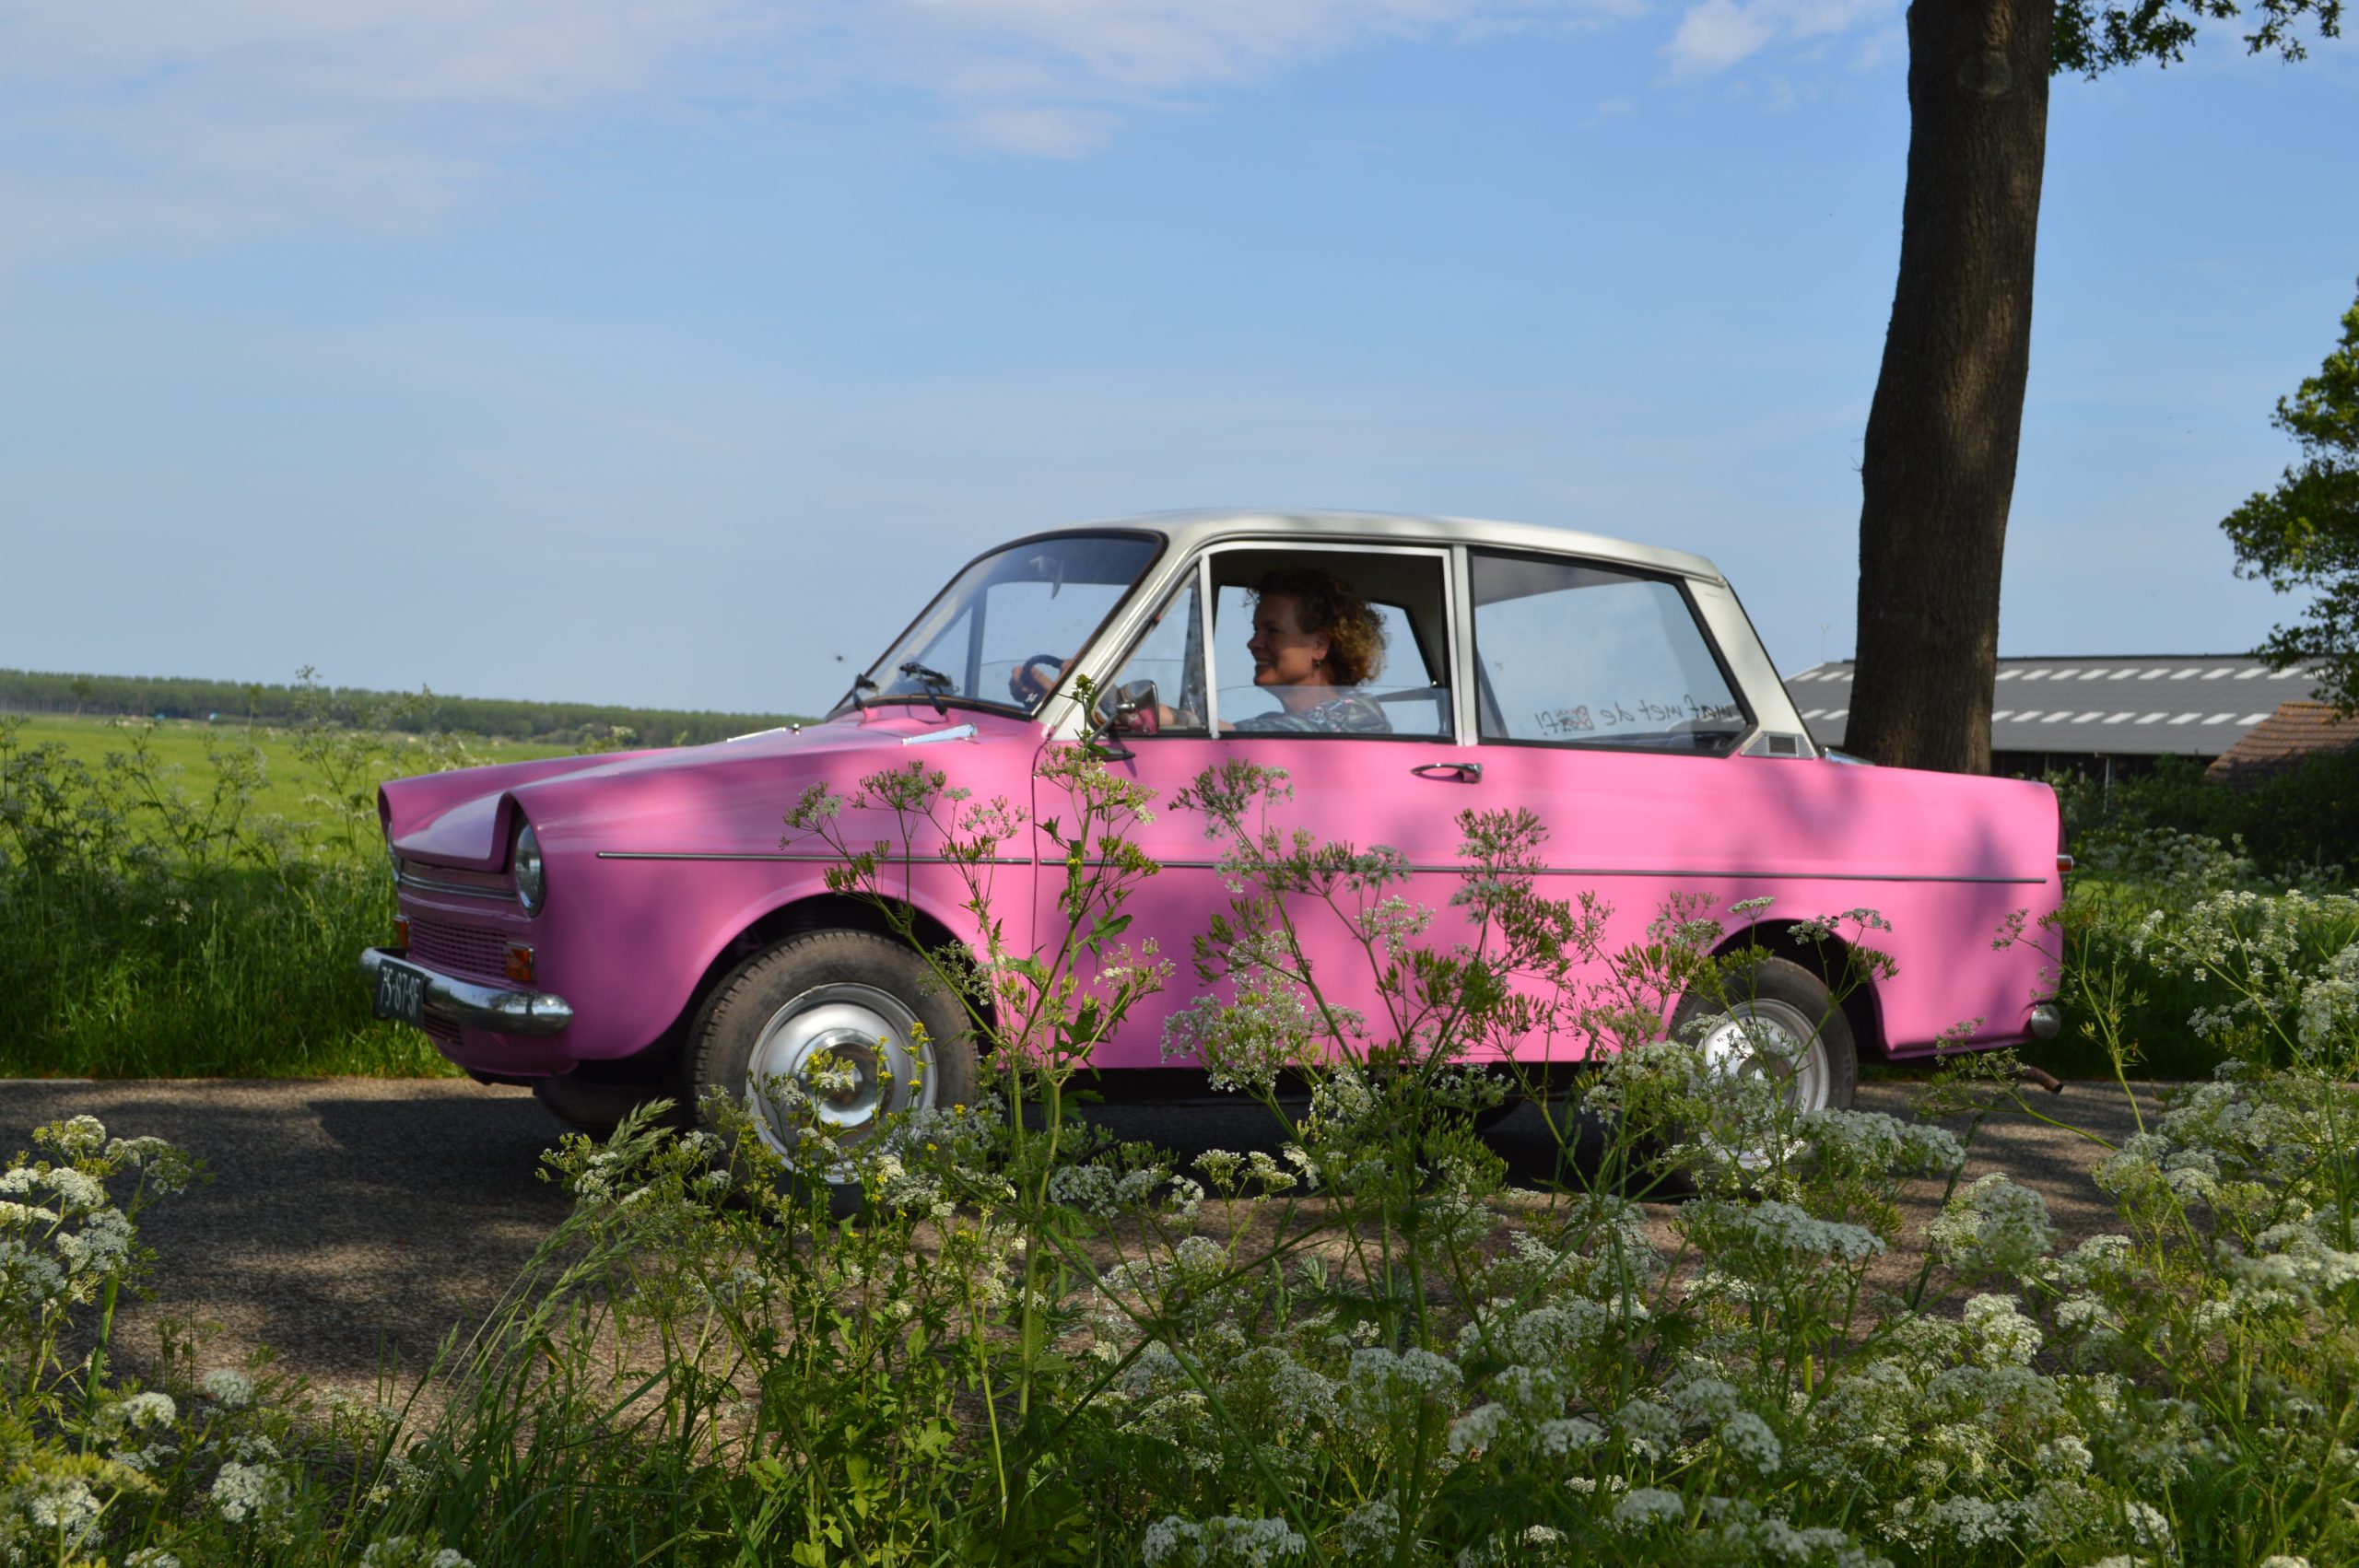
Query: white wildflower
[
  {"x": 245, "y": 1494},
  {"x": 1224, "y": 1540},
  {"x": 1567, "y": 1434},
  {"x": 234, "y": 1390},
  {"x": 411, "y": 1552},
  {"x": 139, "y": 1412},
  {"x": 1994, "y": 1226},
  {"x": 2147, "y": 1525},
  {"x": 28, "y": 1277},
  {"x": 1652, "y": 1430},
  {"x": 1645, "y": 1506},
  {"x": 1372, "y": 1529},
  {"x": 2002, "y": 1333},
  {"x": 1748, "y": 1437},
  {"x": 60, "y": 1503},
  {"x": 75, "y": 1138},
  {"x": 1480, "y": 1429},
  {"x": 76, "y": 1190}
]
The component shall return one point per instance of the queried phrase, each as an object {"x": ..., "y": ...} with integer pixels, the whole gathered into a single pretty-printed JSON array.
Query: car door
[
  {"x": 1401, "y": 786},
  {"x": 1601, "y": 704}
]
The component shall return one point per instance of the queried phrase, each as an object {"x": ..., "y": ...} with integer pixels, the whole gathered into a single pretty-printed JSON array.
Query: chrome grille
[{"x": 459, "y": 950}]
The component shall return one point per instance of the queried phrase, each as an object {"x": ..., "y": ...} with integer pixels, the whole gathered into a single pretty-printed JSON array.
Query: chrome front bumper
[{"x": 476, "y": 1006}]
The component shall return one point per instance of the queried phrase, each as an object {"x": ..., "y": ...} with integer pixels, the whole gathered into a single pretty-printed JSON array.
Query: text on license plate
[{"x": 401, "y": 992}]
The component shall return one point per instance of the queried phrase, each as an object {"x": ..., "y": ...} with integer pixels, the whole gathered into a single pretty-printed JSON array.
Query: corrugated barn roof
[{"x": 2176, "y": 704}]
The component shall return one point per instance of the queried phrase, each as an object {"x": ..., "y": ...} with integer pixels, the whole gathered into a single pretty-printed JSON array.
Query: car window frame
[
  {"x": 1443, "y": 554},
  {"x": 1479, "y": 679},
  {"x": 1455, "y": 633},
  {"x": 1150, "y": 573}
]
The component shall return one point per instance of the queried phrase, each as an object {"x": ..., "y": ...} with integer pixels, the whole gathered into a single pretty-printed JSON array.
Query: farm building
[
  {"x": 2095, "y": 716},
  {"x": 2283, "y": 740}
]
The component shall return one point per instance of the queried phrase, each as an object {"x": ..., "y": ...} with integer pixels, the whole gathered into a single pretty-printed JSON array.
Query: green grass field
[
  {"x": 184, "y": 748},
  {"x": 179, "y": 899}
]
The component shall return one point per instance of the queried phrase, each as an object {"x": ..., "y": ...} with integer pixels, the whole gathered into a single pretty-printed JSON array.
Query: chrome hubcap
[
  {"x": 1766, "y": 1038},
  {"x": 837, "y": 1061}
]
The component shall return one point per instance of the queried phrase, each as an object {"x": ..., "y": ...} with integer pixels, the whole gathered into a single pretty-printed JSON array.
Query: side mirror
[
  {"x": 1133, "y": 707},
  {"x": 1129, "y": 708}
]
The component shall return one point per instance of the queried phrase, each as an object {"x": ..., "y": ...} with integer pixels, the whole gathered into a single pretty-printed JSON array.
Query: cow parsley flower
[
  {"x": 1748, "y": 1438},
  {"x": 250, "y": 1494},
  {"x": 2148, "y": 1527},
  {"x": 232, "y": 1390},
  {"x": 411, "y": 1552},
  {"x": 1994, "y": 1226},
  {"x": 1650, "y": 1430},
  {"x": 75, "y": 1138},
  {"x": 77, "y": 1191},
  {"x": 65, "y": 1503},
  {"x": 1224, "y": 1540},
  {"x": 2001, "y": 1331},
  {"x": 140, "y": 1412},
  {"x": 1644, "y": 1507},
  {"x": 1370, "y": 1530}
]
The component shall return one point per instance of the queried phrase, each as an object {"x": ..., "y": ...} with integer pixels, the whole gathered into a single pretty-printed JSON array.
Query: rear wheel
[
  {"x": 823, "y": 1037},
  {"x": 1784, "y": 1025}
]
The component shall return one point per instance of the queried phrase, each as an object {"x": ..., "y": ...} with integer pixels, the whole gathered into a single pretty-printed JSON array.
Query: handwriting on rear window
[{"x": 1628, "y": 717}]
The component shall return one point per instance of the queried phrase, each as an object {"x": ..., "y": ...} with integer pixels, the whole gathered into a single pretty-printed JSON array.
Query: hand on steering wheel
[{"x": 1024, "y": 683}]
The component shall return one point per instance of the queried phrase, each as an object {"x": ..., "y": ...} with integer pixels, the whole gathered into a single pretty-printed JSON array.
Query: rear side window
[{"x": 1575, "y": 655}]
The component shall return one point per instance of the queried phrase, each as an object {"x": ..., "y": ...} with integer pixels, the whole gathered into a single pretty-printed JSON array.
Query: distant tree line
[{"x": 234, "y": 702}]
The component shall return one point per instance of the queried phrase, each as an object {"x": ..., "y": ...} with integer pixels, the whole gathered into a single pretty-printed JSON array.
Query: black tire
[
  {"x": 839, "y": 993},
  {"x": 1824, "y": 1075}
]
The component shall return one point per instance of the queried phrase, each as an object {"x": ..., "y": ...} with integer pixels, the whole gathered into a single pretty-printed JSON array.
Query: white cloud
[
  {"x": 192, "y": 119},
  {"x": 1718, "y": 34}
]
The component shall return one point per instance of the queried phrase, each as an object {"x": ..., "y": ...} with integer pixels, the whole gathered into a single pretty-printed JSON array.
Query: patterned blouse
[{"x": 1350, "y": 714}]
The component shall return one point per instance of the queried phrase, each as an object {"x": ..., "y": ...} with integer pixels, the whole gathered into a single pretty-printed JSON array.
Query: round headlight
[{"x": 531, "y": 879}]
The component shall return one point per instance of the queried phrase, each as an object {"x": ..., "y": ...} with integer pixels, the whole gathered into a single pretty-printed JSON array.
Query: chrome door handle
[{"x": 1462, "y": 772}]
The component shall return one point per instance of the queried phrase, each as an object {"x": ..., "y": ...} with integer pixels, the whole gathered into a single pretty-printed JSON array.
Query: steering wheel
[{"x": 1025, "y": 687}]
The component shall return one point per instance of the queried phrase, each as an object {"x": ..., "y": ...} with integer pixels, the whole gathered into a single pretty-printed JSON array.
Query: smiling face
[{"x": 1283, "y": 654}]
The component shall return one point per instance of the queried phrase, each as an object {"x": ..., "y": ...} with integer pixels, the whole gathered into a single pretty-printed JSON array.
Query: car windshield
[{"x": 1000, "y": 635}]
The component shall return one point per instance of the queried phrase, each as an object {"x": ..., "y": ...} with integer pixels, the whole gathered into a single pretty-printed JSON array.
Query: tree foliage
[
  {"x": 2092, "y": 38},
  {"x": 2305, "y": 534}
]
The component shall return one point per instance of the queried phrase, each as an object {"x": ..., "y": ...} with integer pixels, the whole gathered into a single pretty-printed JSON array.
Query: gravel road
[{"x": 351, "y": 1223}]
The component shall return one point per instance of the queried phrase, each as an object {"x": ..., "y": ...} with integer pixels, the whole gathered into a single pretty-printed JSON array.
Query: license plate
[{"x": 401, "y": 992}]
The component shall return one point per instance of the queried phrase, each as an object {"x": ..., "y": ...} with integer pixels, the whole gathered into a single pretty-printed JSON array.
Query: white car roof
[{"x": 1187, "y": 531}]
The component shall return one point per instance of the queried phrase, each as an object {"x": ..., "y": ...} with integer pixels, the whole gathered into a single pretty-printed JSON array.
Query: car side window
[
  {"x": 1165, "y": 673},
  {"x": 1403, "y": 693},
  {"x": 1577, "y": 655}
]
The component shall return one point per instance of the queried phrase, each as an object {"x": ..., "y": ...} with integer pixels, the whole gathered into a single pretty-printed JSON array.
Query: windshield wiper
[
  {"x": 934, "y": 682},
  {"x": 861, "y": 686}
]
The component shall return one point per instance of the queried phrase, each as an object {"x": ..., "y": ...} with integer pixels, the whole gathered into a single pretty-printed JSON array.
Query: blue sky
[{"x": 661, "y": 351}]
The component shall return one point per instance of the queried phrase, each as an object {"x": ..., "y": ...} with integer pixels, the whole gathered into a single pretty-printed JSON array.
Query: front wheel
[
  {"x": 823, "y": 1037},
  {"x": 1778, "y": 1020}
]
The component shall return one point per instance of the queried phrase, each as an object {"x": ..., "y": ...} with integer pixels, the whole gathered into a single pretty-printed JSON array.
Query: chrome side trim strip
[
  {"x": 1721, "y": 875},
  {"x": 1725, "y": 875},
  {"x": 805, "y": 859},
  {"x": 468, "y": 1003}
]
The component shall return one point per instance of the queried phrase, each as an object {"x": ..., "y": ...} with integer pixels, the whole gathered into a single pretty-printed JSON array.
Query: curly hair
[{"x": 1325, "y": 605}]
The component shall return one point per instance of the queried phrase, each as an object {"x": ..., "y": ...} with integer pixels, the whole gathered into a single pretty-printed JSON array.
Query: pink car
[{"x": 604, "y": 928}]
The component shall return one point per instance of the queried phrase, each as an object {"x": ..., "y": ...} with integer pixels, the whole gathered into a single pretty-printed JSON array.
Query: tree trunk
[{"x": 1939, "y": 466}]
